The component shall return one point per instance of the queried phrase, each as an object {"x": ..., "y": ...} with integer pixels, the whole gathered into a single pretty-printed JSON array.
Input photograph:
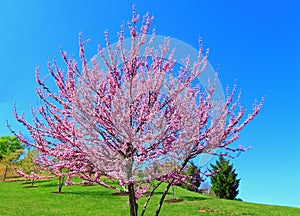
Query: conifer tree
[
  {"x": 194, "y": 179},
  {"x": 224, "y": 183}
]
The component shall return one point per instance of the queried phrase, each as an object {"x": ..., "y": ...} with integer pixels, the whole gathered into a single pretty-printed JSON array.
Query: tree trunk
[
  {"x": 132, "y": 200},
  {"x": 32, "y": 182},
  {"x": 60, "y": 183},
  {"x": 173, "y": 192}
]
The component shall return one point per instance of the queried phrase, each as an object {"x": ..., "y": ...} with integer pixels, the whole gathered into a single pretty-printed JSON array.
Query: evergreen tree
[
  {"x": 224, "y": 183},
  {"x": 194, "y": 177}
]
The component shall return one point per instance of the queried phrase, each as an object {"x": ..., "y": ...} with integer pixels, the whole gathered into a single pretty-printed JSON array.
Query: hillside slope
[{"x": 15, "y": 199}]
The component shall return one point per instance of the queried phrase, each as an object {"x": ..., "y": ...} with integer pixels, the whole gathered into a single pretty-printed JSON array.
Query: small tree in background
[
  {"x": 8, "y": 145},
  {"x": 224, "y": 183},
  {"x": 10, "y": 151},
  {"x": 206, "y": 189},
  {"x": 193, "y": 174},
  {"x": 29, "y": 168}
]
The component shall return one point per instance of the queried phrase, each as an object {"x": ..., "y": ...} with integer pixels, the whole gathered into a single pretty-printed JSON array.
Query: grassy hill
[{"x": 96, "y": 200}]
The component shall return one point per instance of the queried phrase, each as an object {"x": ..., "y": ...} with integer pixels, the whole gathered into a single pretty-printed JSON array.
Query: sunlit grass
[{"x": 96, "y": 200}]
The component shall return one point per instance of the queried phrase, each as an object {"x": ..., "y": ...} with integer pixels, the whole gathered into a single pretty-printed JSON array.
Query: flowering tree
[
  {"x": 139, "y": 113},
  {"x": 28, "y": 168},
  {"x": 52, "y": 130},
  {"x": 194, "y": 178}
]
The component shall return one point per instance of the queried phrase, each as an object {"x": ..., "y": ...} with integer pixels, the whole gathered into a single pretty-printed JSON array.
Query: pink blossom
[{"x": 137, "y": 117}]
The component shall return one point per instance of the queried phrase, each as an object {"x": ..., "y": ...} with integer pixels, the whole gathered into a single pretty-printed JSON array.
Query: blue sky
[{"x": 255, "y": 43}]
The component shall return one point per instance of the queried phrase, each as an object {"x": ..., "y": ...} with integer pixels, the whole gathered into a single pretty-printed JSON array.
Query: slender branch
[{"x": 149, "y": 197}]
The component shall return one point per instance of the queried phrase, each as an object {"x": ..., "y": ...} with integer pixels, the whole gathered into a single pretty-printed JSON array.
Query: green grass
[{"x": 96, "y": 200}]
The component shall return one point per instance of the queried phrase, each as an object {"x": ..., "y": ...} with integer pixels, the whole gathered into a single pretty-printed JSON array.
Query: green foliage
[
  {"x": 28, "y": 165},
  {"x": 8, "y": 146},
  {"x": 224, "y": 183},
  {"x": 11, "y": 150},
  {"x": 194, "y": 177}
]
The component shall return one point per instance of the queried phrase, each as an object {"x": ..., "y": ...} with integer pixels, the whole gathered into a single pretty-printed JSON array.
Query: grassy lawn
[{"x": 96, "y": 200}]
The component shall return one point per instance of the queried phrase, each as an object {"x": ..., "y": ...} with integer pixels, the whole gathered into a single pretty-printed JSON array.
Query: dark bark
[
  {"x": 60, "y": 183},
  {"x": 132, "y": 200},
  {"x": 149, "y": 197},
  {"x": 163, "y": 198},
  {"x": 167, "y": 189}
]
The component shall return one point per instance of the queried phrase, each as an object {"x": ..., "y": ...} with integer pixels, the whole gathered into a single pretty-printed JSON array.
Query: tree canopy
[
  {"x": 9, "y": 145},
  {"x": 224, "y": 183},
  {"x": 131, "y": 108}
]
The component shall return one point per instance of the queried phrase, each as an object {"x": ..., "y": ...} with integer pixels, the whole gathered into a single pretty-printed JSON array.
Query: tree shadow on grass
[
  {"x": 47, "y": 185},
  {"x": 89, "y": 193},
  {"x": 192, "y": 198},
  {"x": 161, "y": 192},
  {"x": 31, "y": 186},
  {"x": 174, "y": 200},
  {"x": 41, "y": 182}
]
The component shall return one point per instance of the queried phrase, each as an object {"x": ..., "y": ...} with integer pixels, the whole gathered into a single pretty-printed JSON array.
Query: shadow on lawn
[
  {"x": 38, "y": 183},
  {"x": 161, "y": 193},
  {"x": 192, "y": 198},
  {"x": 89, "y": 193},
  {"x": 47, "y": 184}
]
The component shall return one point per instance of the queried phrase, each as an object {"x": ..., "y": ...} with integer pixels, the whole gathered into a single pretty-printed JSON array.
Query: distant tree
[
  {"x": 193, "y": 177},
  {"x": 224, "y": 183},
  {"x": 28, "y": 167},
  {"x": 8, "y": 145},
  {"x": 10, "y": 151},
  {"x": 205, "y": 188}
]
